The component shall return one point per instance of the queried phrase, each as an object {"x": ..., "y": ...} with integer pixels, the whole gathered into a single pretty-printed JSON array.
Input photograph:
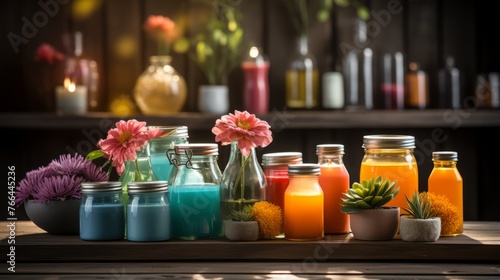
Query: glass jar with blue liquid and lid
[
  {"x": 148, "y": 211},
  {"x": 194, "y": 191},
  {"x": 102, "y": 215},
  {"x": 158, "y": 148}
]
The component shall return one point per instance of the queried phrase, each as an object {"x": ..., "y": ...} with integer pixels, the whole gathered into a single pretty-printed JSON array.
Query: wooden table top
[{"x": 474, "y": 253}]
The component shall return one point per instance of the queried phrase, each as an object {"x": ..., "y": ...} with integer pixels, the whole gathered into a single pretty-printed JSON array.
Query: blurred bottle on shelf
[
  {"x": 487, "y": 93},
  {"x": 392, "y": 86},
  {"x": 417, "y": 94},
  {"x": 449, "y": 85}
]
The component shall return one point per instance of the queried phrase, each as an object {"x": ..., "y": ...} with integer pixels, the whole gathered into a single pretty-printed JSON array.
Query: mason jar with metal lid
[
  {"x": 304, "y": 203},
  {"x": 275, "y": 166},
  {"x": 158, "y": 148},
  {"x": 391, "y": 156},
  {"x": 102, "y": 214},
  {"x": 195, "y": 191},
  {"x": 148, "y": 211}
]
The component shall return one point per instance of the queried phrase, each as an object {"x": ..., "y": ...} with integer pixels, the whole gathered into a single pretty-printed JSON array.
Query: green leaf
[
  {"x": 350, "y": 209},
  {"x": 363, "y": 205},
  {"x": 181, "y": 45},
  {"x": 363, "y": 13},
  {"x": 342, "y": 3},
  {"x": 323, "y": 15},
  {"x": 94, "y": 155}
]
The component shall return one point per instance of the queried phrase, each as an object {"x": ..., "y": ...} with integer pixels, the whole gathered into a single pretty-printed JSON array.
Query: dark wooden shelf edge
[{"x": 285, "y": 119}]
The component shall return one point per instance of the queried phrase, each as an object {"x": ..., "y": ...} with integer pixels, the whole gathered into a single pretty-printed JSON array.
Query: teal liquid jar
[
  {"x": 158, "y": 148},
  {"x": 194, "y": 191},
  {"x": 102, "y": 214},
  {"x": 148, "y": 211}
]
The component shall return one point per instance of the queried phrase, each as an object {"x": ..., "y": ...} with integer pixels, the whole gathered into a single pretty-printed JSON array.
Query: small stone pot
[
  {"x": 375, "y": 224},
  {"x": 241, "y": 231},
  {"x": 411, "y": 229}
]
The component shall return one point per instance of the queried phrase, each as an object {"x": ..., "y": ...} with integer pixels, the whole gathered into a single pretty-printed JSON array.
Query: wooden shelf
[
  {"x": 480, "y": 242},
  {"x": 277, "y": 119}
]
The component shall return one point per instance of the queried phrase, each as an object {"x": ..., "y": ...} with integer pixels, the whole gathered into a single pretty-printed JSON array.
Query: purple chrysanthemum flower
[{"x": 59, "y": 180}]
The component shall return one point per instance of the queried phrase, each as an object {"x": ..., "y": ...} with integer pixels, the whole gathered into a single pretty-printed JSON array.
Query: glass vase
[
  {"x": 243, "y": 182},
  {"x": 139, "y": 170},
  {"x": 302, "y": 78},
  {"x": 160, "y": 89}
]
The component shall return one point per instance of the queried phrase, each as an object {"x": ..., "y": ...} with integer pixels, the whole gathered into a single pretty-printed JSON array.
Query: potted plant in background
[
  {"x": 369, "y": 218},
  {"x": 51, "y": 194},
  {"x": 242, "y": 226},
  {"x": 419, "y": 224},
  {"x": 216, "y": 49}
]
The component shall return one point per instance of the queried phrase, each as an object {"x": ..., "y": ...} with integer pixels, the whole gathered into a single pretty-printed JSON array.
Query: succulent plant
[
  {"x": 419, "y": 207},
  {"x": 370, "y": 194},
  {"x": 243, "y": 215}
]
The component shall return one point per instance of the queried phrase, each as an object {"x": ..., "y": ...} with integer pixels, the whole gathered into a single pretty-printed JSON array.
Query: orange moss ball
[
  {"x": 268, "y": 216},
  {"x": 441, "y": 207}
]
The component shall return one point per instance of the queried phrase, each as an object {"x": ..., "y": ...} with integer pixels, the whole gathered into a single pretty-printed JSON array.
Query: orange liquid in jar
[
  {"x": 447, "y": 181},
  {"x": 334, "y": 180},
  {"x": 406, "y": 175}
]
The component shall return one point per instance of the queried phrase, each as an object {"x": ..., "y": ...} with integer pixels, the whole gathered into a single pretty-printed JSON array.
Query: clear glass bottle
[
  {"x": 148, "y": 211},
  {"x": 302, "y": 78},
  {"x": 417, "y": 88},
  {"x": 139, "y": 170},
  {"x": 304, "y": 203},
  {"x": 194, "y": 191},
  {"x": 449, "y": 85},
  {"x": 158, "y": 148},
  {"x": 445, "y": 179},
  {"x": 160, "y": 89},
  {"x": 243, "y": 181},
  {"x": 334, "y": 180},
  {"x": 275, "y": 167},
  {"x": 102, "y": 215},
  {"x": 391, "y": 156}
]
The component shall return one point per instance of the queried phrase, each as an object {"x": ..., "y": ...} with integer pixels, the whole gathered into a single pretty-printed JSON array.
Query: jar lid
[
  {"x": 281, "y": 158},
  {"x": 197, "y": 149},
  {"x": 101, "y": 187},
  {"x": 387, "y": 141},
  {"x": 329, "y": 149},
  {"x": 147, "y": 187},
  {"x": 304, "y": 169},
  {"x": 177, "y": 131},
  {"x": 445, "y": 155}
]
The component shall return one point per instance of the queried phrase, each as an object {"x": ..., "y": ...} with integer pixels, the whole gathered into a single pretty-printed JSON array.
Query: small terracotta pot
[
  {"x": 411, "y": 229},
  {"x": 375, "y": 224},
  {"x": 241, "y": 231}
]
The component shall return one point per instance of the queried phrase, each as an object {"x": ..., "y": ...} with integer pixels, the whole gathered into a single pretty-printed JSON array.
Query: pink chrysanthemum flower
[
  {"x": 245, "y": 128},
  {"x": 125, "y": 140}
]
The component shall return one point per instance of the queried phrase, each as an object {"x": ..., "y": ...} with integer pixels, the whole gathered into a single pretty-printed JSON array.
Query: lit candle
[
  {"x": 71, "y": 98},
  {"x": 256, "y": 87}
]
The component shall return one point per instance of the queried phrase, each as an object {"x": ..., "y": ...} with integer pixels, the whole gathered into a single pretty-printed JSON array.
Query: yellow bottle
[{"x": 445, "y": 179}]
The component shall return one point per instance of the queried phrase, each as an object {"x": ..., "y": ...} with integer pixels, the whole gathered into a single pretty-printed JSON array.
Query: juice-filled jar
[
  {"x": 303, "y": 216},
  {"x": 148, "y": 211},
  {"x": 275, "y": 167},
  {"x": 391, "y": 156},
  {"x": 158, "y": 148},
  {"x": 334, "y": 180},
  {"x": 445, "y": 179},
  {"x": 102, "y": 215},
  {"x": 194, "y": 191}
]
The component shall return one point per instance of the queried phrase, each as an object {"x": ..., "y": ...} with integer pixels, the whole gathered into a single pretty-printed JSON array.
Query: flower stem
[{"x": 138, "y": 177}]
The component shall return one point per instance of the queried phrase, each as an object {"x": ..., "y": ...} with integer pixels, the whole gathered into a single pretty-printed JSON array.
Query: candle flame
[
  {"x": 69, "y": 85},
  {"x": 254, "y": 52}
]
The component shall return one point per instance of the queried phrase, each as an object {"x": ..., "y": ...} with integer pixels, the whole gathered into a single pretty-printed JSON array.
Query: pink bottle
[{"x": 256, "y": 86}]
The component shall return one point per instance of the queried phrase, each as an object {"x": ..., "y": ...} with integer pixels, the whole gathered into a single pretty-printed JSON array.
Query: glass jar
[
  {"x": 160, "y": 89},
  {"x": 158, "y": 148},
  {"x": 302, "y": 78},
  {"x": 148, "y": 211},
  {"x": 102, "y": 214},
  {"x": 275, "y": 167},
  {"x": 304, "y": 203},
  {"x": 195, "y": 191},
  {"x": 445, "y": 179},
  {"x": 391, "y": 156},
  {"x": 334, "y": 181},
  {"x": 243, "y": 182}
]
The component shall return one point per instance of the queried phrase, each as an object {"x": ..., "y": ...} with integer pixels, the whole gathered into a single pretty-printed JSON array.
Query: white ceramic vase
[{"x": 213, "y": 99}]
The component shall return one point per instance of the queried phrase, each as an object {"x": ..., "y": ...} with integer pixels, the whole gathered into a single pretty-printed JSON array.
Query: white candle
[{"x": 71, "y": 100}]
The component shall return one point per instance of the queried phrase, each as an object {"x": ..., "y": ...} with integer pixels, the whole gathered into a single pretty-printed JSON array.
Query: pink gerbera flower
[
  {"x": 47, "y": 53},
  {"x": 123, "y": 141},
  {"x": 248, "y": 130}
]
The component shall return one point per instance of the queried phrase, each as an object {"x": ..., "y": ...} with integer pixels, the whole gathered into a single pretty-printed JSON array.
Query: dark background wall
[{"x": 426, "y": 31}]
